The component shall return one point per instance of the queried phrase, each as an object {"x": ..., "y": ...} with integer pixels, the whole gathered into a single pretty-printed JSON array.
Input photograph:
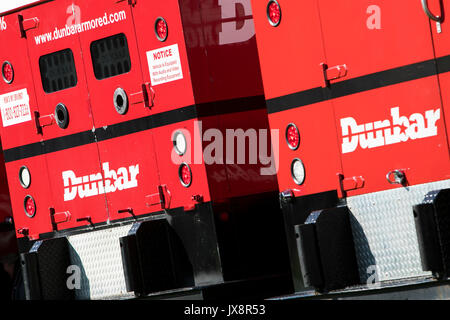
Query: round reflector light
[
  {"x": 274, "y": 13},
  {"x": 161, "y": 29},
  {"x": 7, "y": 72},
  {"x": 24, "y": 177},
  {"x": 179, "y": 143},
  {"x": 29, "y": 206},
  {"x": 292, "y": 136},
  {"x": 185, "y": 175},
  {"x": 298, "y": 171}
]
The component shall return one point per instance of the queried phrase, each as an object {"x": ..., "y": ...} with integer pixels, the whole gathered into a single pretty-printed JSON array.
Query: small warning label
[
  {"x": 15, "y": 107},
  {"x": 164, "y": 65}
]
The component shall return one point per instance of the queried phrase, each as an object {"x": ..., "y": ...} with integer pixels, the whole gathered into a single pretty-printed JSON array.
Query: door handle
[
  {"x": 333, "y": 73},
  {"x": 43, "y": 121},
  {"x": 147, "y": 96},
  {"x": 27, "y": 24},
  {"x": 429, "y": 13}
]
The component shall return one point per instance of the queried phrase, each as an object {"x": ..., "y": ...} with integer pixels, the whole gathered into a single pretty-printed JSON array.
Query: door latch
[
  {"x": 58, "y": 217},
  {"x": 163, "y": 198},
  {"x": 146, "y": 96},
  {"x": 27, "y": 24},
  {"x": 333, "y": 73},
  {"x": 43, "y": 121},
  {"x": 349, "y": 184}
]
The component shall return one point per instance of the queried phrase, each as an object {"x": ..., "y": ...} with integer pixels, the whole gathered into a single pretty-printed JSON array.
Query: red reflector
[
  {"x": 292, "y": 136},
  {"x": 7, "y": 72},
  {"x": 30, "y": 206},
  {"x": 161, "y": 29},
  {"x": 274, "y": 13},
  {"x": 185, "y": 175}
]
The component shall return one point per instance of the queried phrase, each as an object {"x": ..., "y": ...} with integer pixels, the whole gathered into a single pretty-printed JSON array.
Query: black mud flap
[
  {"x": 44, "y": 270},
  {"x": 154, "y": 259},
  {"x": 326, "y": 250},
  {"x": 175, "y": 251},
  {"x": 432, "y": 219}
]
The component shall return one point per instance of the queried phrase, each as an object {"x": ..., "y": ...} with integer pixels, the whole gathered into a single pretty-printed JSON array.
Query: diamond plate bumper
[{"x": 384, "y": 232}]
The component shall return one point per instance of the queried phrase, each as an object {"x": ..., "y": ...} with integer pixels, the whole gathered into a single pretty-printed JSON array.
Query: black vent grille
[
  {"x": 110, "y": 56},
  {"x": 58, "y": 71}
]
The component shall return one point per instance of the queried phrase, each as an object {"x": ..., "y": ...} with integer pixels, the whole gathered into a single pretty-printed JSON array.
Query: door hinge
[
  {"x": 27, "y": 24},
  {"x": 43, "y": 121},
  {"x": 333, "y": 73},
  {"x": 163, "y": 198},
  {"x": 146, "y": 96}
]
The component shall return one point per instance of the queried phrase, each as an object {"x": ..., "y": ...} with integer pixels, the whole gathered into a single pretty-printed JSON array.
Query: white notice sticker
[
  {"x": 164, "y": 65},
  {"x": 15, "y": 107}
]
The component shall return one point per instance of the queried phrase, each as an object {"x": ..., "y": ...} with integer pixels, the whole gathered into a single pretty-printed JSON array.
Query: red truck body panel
[
  {"x": 214, "y": 88},
  {"x": 391, "y": 87}
]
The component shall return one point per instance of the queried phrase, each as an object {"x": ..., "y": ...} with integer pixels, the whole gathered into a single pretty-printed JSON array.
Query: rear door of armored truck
[
  {"x": 21, "y": 143},
  {"x": 121, "y": 107}
]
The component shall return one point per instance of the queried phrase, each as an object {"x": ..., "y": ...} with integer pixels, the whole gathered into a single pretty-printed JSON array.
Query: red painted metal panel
[
  {"x": 291, "y": 55},
  {"x": 222, "y": 53},
  {"x": 318, "y": 149},
  {"x": 364, "y": 48},
  {"x": 424, "y": 159},
  {"x": 83, "y": 160},
  {"x": 352, "y": 36},
  {"x": 22, "y": 133},
  {"x": 135, "y": 160},
  {"x": 292, "y": 52},
  {"x": 363, "y": 39},
  {"x": 39, "y": 189},
  {"x": 108, "y": 165},
  {"x": 145, "y": 14},
  {"x": 169, "y": 162}
]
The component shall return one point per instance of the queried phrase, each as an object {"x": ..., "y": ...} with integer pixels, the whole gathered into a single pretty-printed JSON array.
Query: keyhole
[{"x": 120, "y": 101}]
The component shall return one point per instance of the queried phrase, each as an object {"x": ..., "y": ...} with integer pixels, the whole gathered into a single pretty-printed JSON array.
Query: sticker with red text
[
  {"x": 15, "y": 107},
  {"x": 164, "y": 65}
]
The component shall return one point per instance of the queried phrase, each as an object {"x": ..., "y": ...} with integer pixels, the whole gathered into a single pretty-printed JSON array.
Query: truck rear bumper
[{"x": 386, "y": 239}]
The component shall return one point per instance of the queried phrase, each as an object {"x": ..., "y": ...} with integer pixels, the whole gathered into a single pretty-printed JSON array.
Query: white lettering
[
  {"x": 386, "y": 132},
  {"x": 230, "y": 33},
  {"x": 95, "y": 184}
]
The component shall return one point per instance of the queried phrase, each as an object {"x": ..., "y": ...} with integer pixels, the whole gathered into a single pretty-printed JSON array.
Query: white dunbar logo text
[
  {"x": 93, "y": 185},
  {"x": 386, "y": 132}
]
